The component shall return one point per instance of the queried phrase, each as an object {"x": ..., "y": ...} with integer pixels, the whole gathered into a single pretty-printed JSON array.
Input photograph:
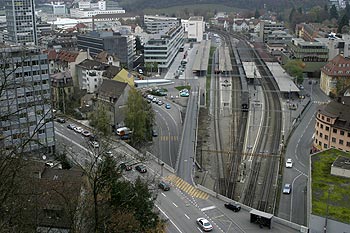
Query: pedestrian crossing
[
  {"x": 186, "y": 187},
  {"x": 321, "y": 102},
  {"x": 168, "y": 138}
]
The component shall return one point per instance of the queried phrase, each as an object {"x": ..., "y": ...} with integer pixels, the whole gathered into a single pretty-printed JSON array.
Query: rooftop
[
  {"x": 324, "y": 184},
  {"x": 339, "y": 109},
  {"x": 342, "y": 162}
]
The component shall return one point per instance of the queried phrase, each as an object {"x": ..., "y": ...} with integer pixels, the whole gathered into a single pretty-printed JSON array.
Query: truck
[{"x": 123, "y": 131}]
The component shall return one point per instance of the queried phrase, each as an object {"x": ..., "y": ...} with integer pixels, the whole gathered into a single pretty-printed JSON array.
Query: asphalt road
[{"x": 293, "y": 207}]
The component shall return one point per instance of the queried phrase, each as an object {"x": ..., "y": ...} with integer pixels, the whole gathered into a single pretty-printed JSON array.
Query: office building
[
  {"x": 26, "y": 123},
  {"x": 157, "y": 24},
  {"x": 117, "y": 44},
  {"x": 162, "y": 48},
  {"x": 195, "y": 30},
  {"x": 21, "y": 25}
]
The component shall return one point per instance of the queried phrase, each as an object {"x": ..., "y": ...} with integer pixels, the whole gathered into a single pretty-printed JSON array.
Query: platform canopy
[{"x": 284, "y": 81}]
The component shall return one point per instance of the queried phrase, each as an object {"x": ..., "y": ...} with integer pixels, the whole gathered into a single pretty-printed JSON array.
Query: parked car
[
  {"x": 167, "y": 106},
  {"x": 204, "y": 224},
  {"x": 184, "y": 94},
  {"x": 160, "y": 103},
  {"x": 78, "y": 129},
  {"x": 155, "y": 100},
  {"x": 86, "y": 133},
  {"x": 164, "y": 186},
  {"x": 233, "y": 206},
  {"x": 141, "y": 168},
  {"x": 71, "y": 126},
  {"x": 289, "y": 163},
  {"x": 61, "y": 120},
  {"x": 94, "y": 144},
  {"x": 125, "y": 166},
  {"x": 287, "y": 189}
]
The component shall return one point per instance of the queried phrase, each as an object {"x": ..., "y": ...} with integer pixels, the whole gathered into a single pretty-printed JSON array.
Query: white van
[{"x": 123, "y": 131}]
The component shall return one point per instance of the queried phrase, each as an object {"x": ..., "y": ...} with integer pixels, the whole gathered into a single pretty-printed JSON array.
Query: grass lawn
[
  {"x": 322, "y": 181},
  {"x": 179, "y": 88}
]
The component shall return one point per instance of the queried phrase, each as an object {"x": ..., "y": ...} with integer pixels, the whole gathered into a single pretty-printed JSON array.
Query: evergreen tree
[
  {"x": 257, "y": 14},
  {"x": 344, "y": 21},
  {"x": 333, "y": 13}
]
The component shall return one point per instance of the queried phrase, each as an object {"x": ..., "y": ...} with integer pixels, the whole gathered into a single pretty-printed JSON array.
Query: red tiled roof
[
  {"x": 338, "y": 66},
  {"x": 51, "y": 54},
  {"x": 80, "y": 25},
  {"x": 67, "y": 56}
]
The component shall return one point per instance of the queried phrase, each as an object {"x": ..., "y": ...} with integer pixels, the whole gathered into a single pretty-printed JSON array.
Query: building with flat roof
[
  {"x": 162, "y": 48},
  {"x": 196, "y": 28},
  {"x": 267, "y": 26},
  {"x": 26, "y": 122},
  {"x": 21, "y": 23},
  {"x": 332, "y": 128},
  {"x": 116, "y": 44},
  {"x": 156, "y": 24}
]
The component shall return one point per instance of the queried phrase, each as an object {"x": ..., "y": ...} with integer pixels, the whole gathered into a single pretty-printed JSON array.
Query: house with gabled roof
[
  {"x": 112, "y": 97},
  {"x": 335, "y": 75}
]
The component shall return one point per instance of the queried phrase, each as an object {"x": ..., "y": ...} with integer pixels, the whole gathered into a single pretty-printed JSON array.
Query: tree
[
  {"x": 333, "y": 13},
  {"x": 257, "y": 14},
  {"x": 139, "y": 117},
  {"x": 344, "y": 22},
  {"x": 100, "y": 121},
  {"x": 295, "y": 69}
]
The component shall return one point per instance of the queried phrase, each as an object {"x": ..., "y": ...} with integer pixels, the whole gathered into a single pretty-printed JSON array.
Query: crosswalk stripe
[{"x": 186, "y": 187}]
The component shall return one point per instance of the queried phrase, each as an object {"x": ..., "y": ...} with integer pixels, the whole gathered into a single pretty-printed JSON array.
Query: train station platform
[
  {"x": 251, "y": 71},
  {"x": 201, "y": 61},
  {"x": 225, "y": 65},
  {"x": 284, "y": 81}
]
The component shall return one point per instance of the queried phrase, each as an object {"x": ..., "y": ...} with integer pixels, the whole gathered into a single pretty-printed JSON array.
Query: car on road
[
  {"x": 204, "y": 224},
  {"x": 289, "y": 163},
  {"x": 233, "y": 206},
  {"x": 154, "y": 133},
  {"x": 184, "y": 94},
  {"x": 71, "y": 126},
  {"x": 287, "y": 189},
  {"x": 164, "y": 186},
  {"x": 141, "y": 168},
  {"x": 86, "y": 133},
  {"x": 94, "y": 144},
  {"x": 167, "y": 106},
  {"x": 78, "y": 129},
  {"x": 61, "y": 120}
]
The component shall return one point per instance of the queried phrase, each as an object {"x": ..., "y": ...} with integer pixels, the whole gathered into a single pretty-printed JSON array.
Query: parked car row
[{"x": 151, "y": 98}]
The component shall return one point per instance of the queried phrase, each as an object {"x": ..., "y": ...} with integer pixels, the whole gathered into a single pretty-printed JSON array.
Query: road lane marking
[
  {"x": 291, "y": 198},
  {"x": 187, "y": 216},
  {"x": 163, "y": 194},
  {"x": 177, "y": 228},
  {"x": 208, "y": 208},
  {"x": 175, "y": 205}
]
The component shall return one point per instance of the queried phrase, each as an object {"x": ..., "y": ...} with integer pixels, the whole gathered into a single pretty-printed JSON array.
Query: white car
[
  {"x": 287, "y": 189},
  {"x": 78, "y": 129},
  {"x": 289, "y": 163},
  {"x": 204, "y": 224},
  {"x": 94, "y": 144}
]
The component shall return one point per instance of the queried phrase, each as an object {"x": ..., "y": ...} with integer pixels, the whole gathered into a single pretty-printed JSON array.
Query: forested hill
[{"x": 275, "y": 5}]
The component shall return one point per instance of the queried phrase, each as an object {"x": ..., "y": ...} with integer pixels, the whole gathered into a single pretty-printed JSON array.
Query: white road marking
[
  {"x": 187, "y": 216},
  {"x": 177, "y": 228},
  {"x": 208, "y": 208},
  {"x": 163, "y": 194},
  {"x": 175, "y": 204},
  {"x": 291, "y": 198}
]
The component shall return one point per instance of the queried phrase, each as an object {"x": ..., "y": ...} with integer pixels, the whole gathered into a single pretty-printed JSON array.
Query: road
[{"x": 293, "y": 207}]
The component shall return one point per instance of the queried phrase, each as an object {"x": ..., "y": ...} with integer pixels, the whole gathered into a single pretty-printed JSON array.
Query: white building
[
  {"x": 162, "y": 48},
  {"x": 87, "y": 13},
  {"x": 196, "y": 27},
  {"x": 156, "y": 24},
  {"x": 240, "y": 25},
  {"x": 100, "y": 5},
  {"x": 58, "y": 8}
]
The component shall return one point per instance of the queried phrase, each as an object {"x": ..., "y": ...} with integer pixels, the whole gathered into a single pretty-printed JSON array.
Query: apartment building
[
  {"x": 196, "y": 28},
  {"x": 162, "y": 48},
  {"x": 332, "y": 129},
  {"x": 267, "y": 27},
  {"x": 26, "y": 123}
]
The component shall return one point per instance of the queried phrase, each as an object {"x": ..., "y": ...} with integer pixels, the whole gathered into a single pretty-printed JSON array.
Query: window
[
  {"x": 348, "y": 134},
  {"x": 348, "y": 144},
  {"x": 318, "y": 124},
  {"x": 317, "y": 132},
  {"x": 342, "y": 132},
  {"x": 321, "y": 135},
  {"x": 325, "y": 146},
  {"x": 341, "y": 142},
  {"x": 41, "y": 131},
  {"x": 320, "y": 143},
  {"x": 322, "y": 117},
  {"x": 321, "y": 126},
  {"x": 316, "y": 141},
  {"x": 334, "y": 140},
  {"x": 335, "y": 131},
  {"x": 328, "y": 120},
  {"x": 326, "y": 137},
  {"x": 327, "y": 128}
]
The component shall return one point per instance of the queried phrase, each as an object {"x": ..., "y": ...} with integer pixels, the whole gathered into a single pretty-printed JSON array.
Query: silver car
[{"x": 204, "y": 224}]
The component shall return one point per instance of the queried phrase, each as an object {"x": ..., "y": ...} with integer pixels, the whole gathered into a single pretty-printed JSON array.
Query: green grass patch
[
  {"x": 323, "y": 181},
  {"x": 179, "y": 88}
]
